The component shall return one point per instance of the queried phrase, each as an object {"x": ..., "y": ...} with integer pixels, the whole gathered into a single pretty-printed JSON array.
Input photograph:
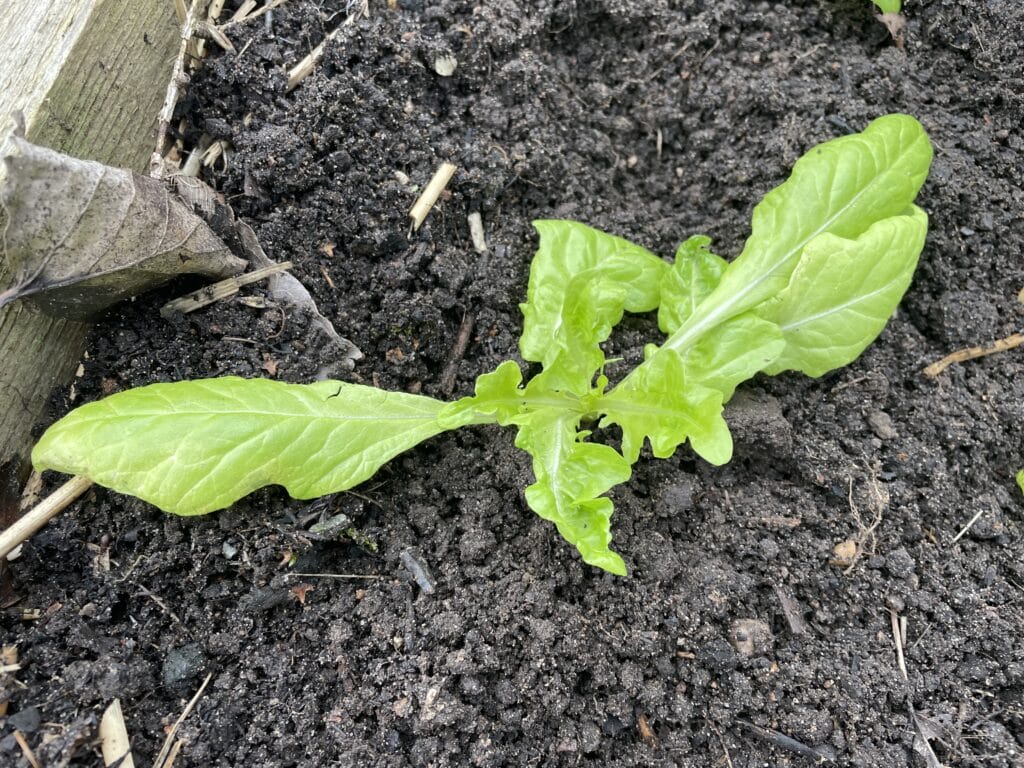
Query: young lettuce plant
[{"x": 831, "y": 252}]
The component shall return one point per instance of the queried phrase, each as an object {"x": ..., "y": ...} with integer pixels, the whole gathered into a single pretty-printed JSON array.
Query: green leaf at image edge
[
  {"x": 888, "y": 6},
  {"x": 197, "y": 446},
  {"x": 1020, "y": 480}
]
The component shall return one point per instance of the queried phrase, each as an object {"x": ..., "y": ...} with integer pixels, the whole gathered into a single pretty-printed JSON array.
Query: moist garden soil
[{"x": 740, "y": 638}]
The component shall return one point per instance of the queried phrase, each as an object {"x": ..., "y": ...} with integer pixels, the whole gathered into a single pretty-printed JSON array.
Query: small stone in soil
[
  {"x": 750, "y": 638},
  {"x": 414, "y": 563},
  {"x": 881, "y": 424}
]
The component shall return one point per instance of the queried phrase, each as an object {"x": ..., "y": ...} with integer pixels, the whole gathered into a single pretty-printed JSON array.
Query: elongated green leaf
[
  {"x": 840, "y": 188},
  {"x": 842, "y": 294},
  {"x": 1020, "y": 480},
  {"x": 662, "y": 406},
  {"x": 571, "y": 476},
  {"x": 568, "y": 249},
  {"x": 197, "y": 446},
  {"x": 695, "y": 274}
]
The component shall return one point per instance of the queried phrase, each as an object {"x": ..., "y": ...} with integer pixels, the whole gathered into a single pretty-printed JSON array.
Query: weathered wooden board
[{"x": 89, "y": 76}]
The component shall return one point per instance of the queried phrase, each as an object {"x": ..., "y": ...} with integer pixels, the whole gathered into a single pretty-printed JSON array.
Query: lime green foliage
[
  {"x": 888, "y": 6},
  {"x": 1020, "y": 479},
  {"x": 830, "y": 254},
  {"x": 196, "y": 446}
]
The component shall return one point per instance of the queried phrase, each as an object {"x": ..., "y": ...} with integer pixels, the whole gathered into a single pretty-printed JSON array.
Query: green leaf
[
  {"x": 688, "y": 282},
  {"x": 593, "y": 306},
  {"x": 732, "y": 353},
  {"x": 1020, "y": 479},
  {"x": 843, "y": 292},
  {"x": 197, "y": 446},
  {"x": 571, "y": 476},
  {"x": 662, "y": 406},
  {"x": 498, "y": 399},
  {"x": 888, "y": 6},
  {"x": 581, "y": 280},
  {"x": 839, "y": 188}
]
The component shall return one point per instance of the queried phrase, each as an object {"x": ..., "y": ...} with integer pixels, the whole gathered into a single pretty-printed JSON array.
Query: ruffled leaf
[
  {"x": 570, "y": 476},
  {"x": 662, "y": 406},
  {"x": 581, "y": 281},
  {"x": 688, "y": 282}
]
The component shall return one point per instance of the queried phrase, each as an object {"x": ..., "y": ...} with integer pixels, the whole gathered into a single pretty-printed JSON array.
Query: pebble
[
  {"x": 881, "y": 424},
  {"x": 445, "y": 65},
  {"x": 750, "y": 638}
]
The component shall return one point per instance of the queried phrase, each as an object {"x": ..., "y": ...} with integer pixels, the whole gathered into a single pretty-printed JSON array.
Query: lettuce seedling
[
  {"x": 1020, "y": 480},
  {"x": 830, "y": 254},
  {"x": 888, "y": 6}
]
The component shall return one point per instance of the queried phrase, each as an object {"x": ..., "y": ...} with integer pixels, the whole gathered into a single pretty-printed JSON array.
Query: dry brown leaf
[{"x": 82, "y": 236}]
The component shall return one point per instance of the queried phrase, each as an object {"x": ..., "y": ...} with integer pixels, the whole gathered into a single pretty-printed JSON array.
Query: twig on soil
[
  {"x": 970, "y": 353},
  {"x": 163, "y": 606},
  {"x": 782, "y": 741},
  {"x": 175, "y": 751},
  {"x": 162, "y": 758},
  {"x": 26, "y": 750},
  {"x": 207, "y": 295},
  {"x": 451, "y": 365},
  {"x": 791, "y": 610},
  {"x": 430, "y": 193},
  {"x": 42, "y": 513},
  {"x": 245, "y": 11},
  {"x": 897, "y": 636},
  {"x": 114, "y": 742},
  {"x": 967, "y": 527},
  {"x": 305, "y": 68},
  {"x": 179, "y": 79},
  {"x": 367, "y": 576},
  {"x": 725, "y": 749}
]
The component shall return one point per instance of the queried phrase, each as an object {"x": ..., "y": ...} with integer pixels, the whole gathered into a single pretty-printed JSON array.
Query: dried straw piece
[
  {"x": 47, "y": 509},
  {"x": 114, "y": 741},
  {"x": 190, "y": 302},
  {"x": 431, "y": 192}
]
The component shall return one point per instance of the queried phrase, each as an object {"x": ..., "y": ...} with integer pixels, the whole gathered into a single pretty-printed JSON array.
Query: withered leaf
[{"x": 82, "y": 236}]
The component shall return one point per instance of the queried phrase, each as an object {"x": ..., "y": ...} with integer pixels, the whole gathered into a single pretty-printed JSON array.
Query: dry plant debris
[
  {"x": 971, "y": 353},
  {"x": 83, "y": 236},
  {"x": 420, "y": 209}
]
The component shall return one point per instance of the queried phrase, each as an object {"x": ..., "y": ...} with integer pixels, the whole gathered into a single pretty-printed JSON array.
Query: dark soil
[{"x": 734, "y": 642}]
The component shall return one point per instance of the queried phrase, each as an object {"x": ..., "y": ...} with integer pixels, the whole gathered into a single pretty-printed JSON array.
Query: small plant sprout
[
  {"x": 888, "y": 6},
  {"x": 1020, "y": 480},
  {"x": 830, "y": 254}
]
